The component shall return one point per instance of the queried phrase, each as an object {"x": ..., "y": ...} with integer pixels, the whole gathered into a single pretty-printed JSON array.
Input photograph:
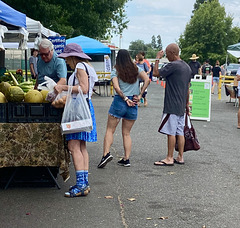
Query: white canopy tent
[
  {"x": 234, "y": 50},
  {"x": 35, "y": 33}
]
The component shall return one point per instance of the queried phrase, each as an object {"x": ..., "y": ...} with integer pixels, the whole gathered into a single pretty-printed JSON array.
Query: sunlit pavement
[{"x": 204, "y": 191}]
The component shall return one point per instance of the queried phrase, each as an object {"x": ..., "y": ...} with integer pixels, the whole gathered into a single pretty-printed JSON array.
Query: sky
[{"x": 167, "y": 18}]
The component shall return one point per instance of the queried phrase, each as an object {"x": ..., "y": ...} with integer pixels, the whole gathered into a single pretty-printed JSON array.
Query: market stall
[{"x": 30, "y": 134}]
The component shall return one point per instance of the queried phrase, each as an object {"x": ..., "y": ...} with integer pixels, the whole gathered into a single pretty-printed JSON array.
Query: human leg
[
  {"x": 86, "y": 162},
  {"x": 214, "y": 84},
  {"x": 127, "y": 141},
  {"x": 79, "y": 163},
  {"x": 108, "y": 140},
  {"x": 171, "y": 125},
  {"x": 74, "y": 147},
  {"x": 171, "y": 141},
  {"x": 181, "y": 142}
]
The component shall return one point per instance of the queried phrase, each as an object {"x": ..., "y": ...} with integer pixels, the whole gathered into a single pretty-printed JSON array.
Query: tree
[
  {"x": 159, "y": 42},
  {"x": 136, "y": 46},
  {"x": 208, "y": 33},
  {"x": 91, "y": 18},
  {"x": 198, "y": 3},
  {"x": 153, "y": 43}
]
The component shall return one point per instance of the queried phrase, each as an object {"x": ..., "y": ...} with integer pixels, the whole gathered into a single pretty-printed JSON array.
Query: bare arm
[
  {"x": 187, "y": 104},
  {"x": 238, "y": 77},
  {"x": 120, "y": 93},
  {"x": 62, "y": 81},
  {"x": 160, "y": 54},
  {"x": 83, "y": 83},
  {"x": 146, "y": 80}
]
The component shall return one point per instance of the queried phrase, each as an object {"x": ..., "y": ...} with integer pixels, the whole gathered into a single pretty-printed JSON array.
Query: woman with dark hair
[{"x": 125, "y": 78}]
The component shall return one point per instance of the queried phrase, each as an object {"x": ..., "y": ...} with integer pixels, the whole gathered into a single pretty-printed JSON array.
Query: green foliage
[
  {"x": 93, "y": 18},
  {"x": 159, "y": 42},
  {"x": 198, "y": 3},
  {"x": 208, "y": 33},
  {"x": 150, "y": 49},
  {"x": 136, "y": 46},
  {"x": 153, "y": 43}
]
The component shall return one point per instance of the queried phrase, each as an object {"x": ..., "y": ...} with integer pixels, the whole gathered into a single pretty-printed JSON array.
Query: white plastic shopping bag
[
  {"x": 49, "y": 85},
  {"x": 76, "y": 115}
]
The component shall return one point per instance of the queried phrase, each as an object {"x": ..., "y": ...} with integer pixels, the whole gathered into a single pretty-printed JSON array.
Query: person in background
[
  {"x": 178, "y": 75},
  {"x": 195, "y": 65},
  {"x": 125, "y": 77},
  {"x": 143, "y": 65},
  {"x": 84, "y": 76},
  {"x": 206, "y": 69},
  {"x": 50, "y": 65},
  {"x": 33, "y": 63},
  {"x": 147, "y": 62},
  {"x": 223, "y": 70},
  {"x": 216, "y": 72},
  {"x": 238, "y": 79}
]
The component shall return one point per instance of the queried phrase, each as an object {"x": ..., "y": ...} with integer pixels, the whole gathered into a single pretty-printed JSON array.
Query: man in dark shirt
[
  {"x": 177, "y": 74},
  {"x": 195, "y": 65}
]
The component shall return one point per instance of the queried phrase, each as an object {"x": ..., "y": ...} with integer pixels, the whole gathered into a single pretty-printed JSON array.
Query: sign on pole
[
  {"x": 200, "y": 99},
  {"x": 59, "y": 43}
]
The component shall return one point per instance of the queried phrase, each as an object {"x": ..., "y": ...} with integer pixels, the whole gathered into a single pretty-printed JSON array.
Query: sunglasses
[{"x": 45, "y": 54}]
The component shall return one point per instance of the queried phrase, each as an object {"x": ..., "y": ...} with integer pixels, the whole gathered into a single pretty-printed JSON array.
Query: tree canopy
[
  {"x": 150, "y": 49},
  {"x": 93, "y": 18},
  {"x": 208, "y": 33}
]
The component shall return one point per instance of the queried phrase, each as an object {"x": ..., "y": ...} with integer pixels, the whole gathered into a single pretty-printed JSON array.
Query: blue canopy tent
[
  {"x": 11, "y": 16},
  {"x": 90, "y": 46}
]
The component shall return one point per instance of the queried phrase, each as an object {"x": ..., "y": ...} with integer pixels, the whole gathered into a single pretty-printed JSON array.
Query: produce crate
[
  {"x": 3, "y": 112},
  {"x": 33, "y": 113}
]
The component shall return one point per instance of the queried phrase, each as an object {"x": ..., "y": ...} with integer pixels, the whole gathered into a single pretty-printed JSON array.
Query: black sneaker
[
  {"x": 105, "y": 160},
  {"x": 124, "y": 163}
]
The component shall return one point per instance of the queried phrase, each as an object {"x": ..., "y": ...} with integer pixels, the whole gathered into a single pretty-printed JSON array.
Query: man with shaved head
[{"x": 177, "y": 75}]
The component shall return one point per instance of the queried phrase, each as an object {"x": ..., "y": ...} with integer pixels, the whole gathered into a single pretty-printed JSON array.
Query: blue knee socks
[
  {"x": 80, "y": 179},
  {"x": 86, "y": 177}
]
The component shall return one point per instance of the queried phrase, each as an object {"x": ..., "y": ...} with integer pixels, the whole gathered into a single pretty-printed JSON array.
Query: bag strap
[{"x": 88, "y": 78}]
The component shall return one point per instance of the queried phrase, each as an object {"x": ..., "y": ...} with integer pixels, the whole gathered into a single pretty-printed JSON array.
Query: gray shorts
[{"x": 172, "y": 124}]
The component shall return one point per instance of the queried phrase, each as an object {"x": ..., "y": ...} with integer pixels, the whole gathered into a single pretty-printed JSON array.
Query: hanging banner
[
  {"x": 59, "y": 43},
  {"x": 200, "y": 99},
  {"x": 107, "y": 63}
]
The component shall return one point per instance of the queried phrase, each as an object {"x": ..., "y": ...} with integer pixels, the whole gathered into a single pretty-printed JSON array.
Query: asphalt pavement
[{"x": 204, "y": 192}]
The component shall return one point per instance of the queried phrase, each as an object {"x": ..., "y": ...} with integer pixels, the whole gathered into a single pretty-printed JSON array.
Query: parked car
[{"x": 231, "y": 68}]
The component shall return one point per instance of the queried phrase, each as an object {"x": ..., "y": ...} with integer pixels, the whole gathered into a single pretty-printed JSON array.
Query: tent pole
[{"x": 26, "y": 77}]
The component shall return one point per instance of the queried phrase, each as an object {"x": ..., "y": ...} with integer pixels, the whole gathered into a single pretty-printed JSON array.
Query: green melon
[
  {"x": 4, "y": 87},
  {"x": 2, "y": 98},
  {"x": 15, "y": 94},
  {"x": 33, "y": 96}
]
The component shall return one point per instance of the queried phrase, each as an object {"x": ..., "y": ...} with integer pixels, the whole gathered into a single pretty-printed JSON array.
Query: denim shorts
[
  {"x": 120, "y": 109},
  {"x": 216, "y": 79}
]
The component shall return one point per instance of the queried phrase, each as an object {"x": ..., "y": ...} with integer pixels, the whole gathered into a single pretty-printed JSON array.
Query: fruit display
[
  {"x": 60, "y": 103},
  {"x": 4, "y": 87},
  {"x": 2, "y": 98},
  {"x": 14, "y": 94},
  {"x": 33, "y": 96},
  {"x": 44, "y": 94},
  {"x": 26, "y": 86}
]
